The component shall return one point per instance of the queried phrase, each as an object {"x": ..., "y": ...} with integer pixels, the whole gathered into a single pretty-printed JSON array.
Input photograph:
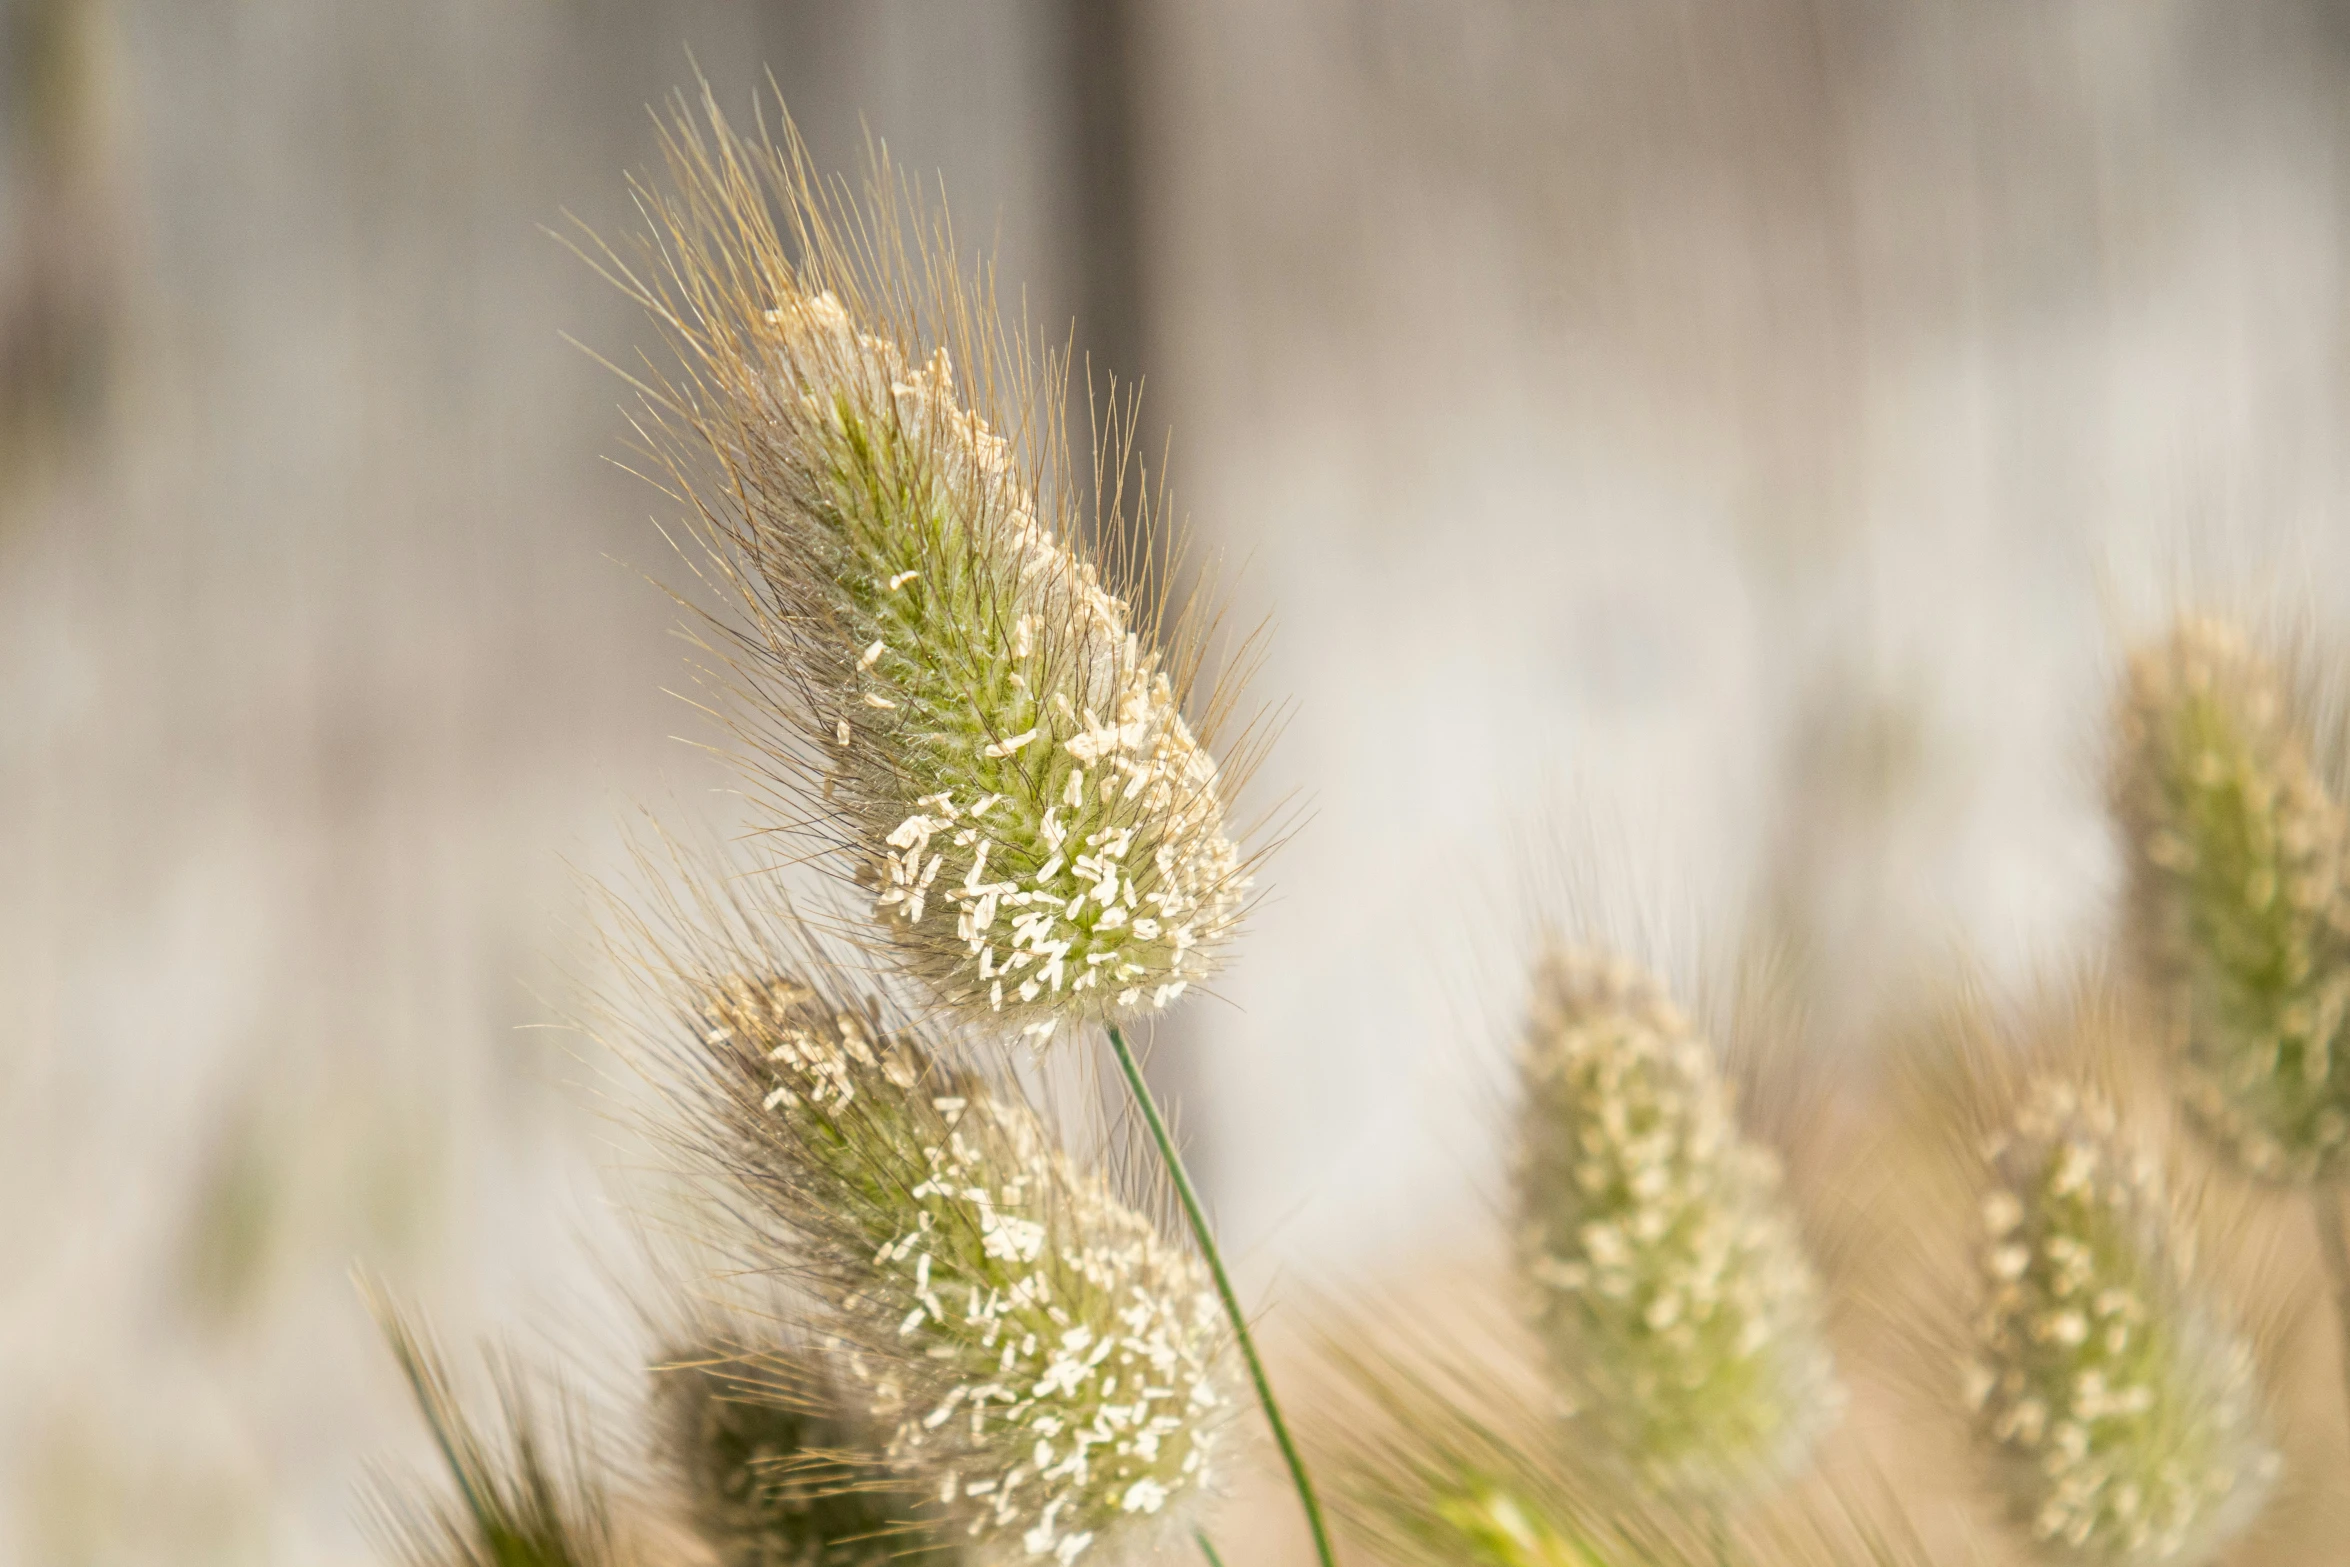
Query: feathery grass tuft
[
  {"x": 931, "y": 673},
  {"x": 2126, "y": 1415},
  {"x": 1045, "y": 1367},
  {"x": 1669, "y": 1282},
  {"x": 2240, "y": 913}
]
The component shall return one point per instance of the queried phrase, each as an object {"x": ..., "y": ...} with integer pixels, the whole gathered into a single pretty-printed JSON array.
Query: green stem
[
  {"x": 1207, "y": 1245},
  {"x": 2333, "y": 1243},
  {"x": 1207, "y": 1548}
]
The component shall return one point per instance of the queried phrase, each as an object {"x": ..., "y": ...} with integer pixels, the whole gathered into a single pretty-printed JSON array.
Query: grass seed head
[
  {"x": 778, "y": 1469},
  {"x": 2125, "y": 1416},
  {"x": 1045, "y": 1368},
  {"x": 2240, "y": 915},
  {"x": 931, "y": 670},
  {"x": 1669, "y": 1282}
]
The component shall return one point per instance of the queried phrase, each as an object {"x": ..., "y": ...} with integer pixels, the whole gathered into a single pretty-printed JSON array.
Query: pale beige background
[{"x": 1737, "y": 425}]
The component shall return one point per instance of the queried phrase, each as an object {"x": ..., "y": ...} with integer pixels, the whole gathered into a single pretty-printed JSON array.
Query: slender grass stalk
[
  {"x": 2333, "y": 1244},
  {"x": 1207, "y": 1548},
  {"x": 1173, "y": 1160}
]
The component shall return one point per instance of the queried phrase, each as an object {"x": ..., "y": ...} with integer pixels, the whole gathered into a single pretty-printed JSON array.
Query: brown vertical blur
[
  {"x": 60, "y": 236},
  {"x": 1106, "y": 77}
]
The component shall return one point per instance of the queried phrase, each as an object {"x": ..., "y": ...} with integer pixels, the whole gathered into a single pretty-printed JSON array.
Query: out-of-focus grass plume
[
  {"x": 1491, "y": 1524},
  {"x": 1446, "y": 1451},
  {"x": 1670, "y": 1283},
  {"x": 2125, "y": 1412},
  {"x": 2239, "y": 912},
  {"x": 2088, "y": 1328},
  {"x": 1438, "y": 1457}
]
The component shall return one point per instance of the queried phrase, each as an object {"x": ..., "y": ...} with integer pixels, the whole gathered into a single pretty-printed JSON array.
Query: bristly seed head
[
  {"x": 776, "y": 1467},
  {"x": 1669, "y": 1283},
  {"x": 2240, "y": 913},
  {"x": 1042, "y": 832},
  {"x": 997, "y": 739},
  {"x": 1047, "y": 1368},
  {"x": 2126, "y": 1417}
]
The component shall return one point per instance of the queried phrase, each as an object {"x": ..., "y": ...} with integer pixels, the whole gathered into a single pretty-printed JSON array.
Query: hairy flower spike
[
  {"x": 1046, "y": 1367},
  {"x": 999, "y": 740},
  {"x": 2241, "y": 914},
  {"x": 2126, "y": 1417},
  {"x": 777, "y": 1471},
  {"x": 1042, "y": 830},
  {"x": 1670, "y": 1285}
]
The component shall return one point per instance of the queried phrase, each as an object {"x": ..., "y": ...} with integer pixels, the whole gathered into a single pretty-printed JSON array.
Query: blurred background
[{"x": 1715, "y": 442}]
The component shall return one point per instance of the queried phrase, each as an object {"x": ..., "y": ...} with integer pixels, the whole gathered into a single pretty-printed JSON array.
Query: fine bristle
[{"x": 524, "y": 1498}]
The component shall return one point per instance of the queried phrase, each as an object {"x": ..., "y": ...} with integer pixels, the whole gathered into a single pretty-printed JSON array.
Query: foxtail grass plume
[
  {"x": 932, "y": 668},
  {"x": 778, "y": 1468},
  {"x": 2240, "y": 913},
  {"x": 1669, "y": 1283},
  {"x": 2125, "y": 1416},
  {"x": 1046, "y": 1369}
]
